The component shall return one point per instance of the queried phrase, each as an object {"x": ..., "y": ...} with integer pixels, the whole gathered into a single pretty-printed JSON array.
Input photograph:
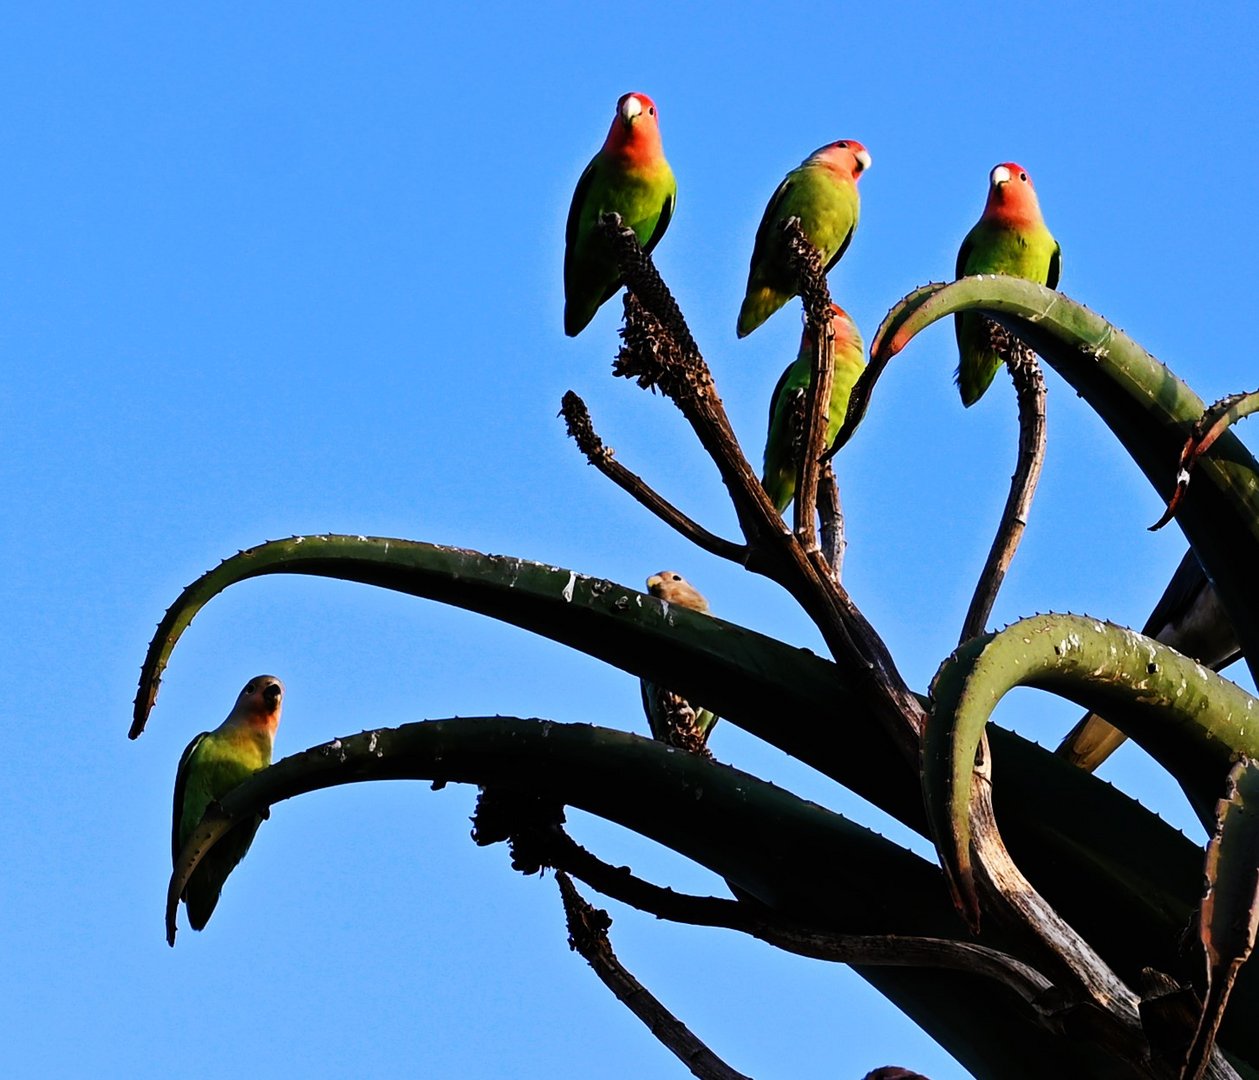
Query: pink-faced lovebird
[
  {"x": 628, "y": 176},
  {"x": 786, "y": 407},
  {"x": 822, "y": 193},
  {"x": 214, "y": 763},
  {"x": 1009, "y": 238}
]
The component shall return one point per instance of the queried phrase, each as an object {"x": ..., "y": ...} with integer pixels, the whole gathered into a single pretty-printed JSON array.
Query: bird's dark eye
[
  {"x": 1023, "y": 176},
  {"x": 651, "y": 111},
  {"x": 250, "y": 688},
  {"x": 842, "y": 145},
  {"x": 677, "y": 577}
]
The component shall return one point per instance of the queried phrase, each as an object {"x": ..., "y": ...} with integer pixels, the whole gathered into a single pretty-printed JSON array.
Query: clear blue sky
[{"x": 296, "y": 268}]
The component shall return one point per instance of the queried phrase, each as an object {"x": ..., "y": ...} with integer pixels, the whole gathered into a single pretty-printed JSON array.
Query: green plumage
[
  {"x": 1010, "y": 238},
  {"x": 824, "y": 197},
  {"x": 644, "y": 198},
  {"x": 213, "y": 764},
  {"x": 786, "y": 409}
]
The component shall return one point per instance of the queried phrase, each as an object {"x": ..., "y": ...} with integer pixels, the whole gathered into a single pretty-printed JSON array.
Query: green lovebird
[
  {"x": 822, "y": 193},
  {"x": 214, "y": 763},
  {"x": 670, "y": 717},
  {"x": 630, "y": 177},
  {"x": 786, "y": 407},
  {"x": 1009, "y": 238}
]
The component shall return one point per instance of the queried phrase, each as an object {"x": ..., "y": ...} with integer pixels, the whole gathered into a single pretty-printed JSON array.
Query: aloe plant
[{"x": 1050, "y": 941}]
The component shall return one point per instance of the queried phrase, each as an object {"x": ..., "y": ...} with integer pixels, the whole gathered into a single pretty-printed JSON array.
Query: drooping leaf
[
  {"x": 794, "y": 855},
  {"x": 1147, "y": 407},
  {"x": 1120, "y": 875},
  {"x": 1191, "y": 720},
  {"x": 1214, "y": 422},
  {"x": 1230, "y": 908}
]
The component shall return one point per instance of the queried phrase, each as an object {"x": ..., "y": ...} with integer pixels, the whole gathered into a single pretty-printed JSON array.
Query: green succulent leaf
[
  {"x": 1193, "y": 721},
  {"x": 1120, "y": 875},
  {"x": 1230, "y": 908},
  {"x": 1142, "y": 401},
  {"x": 795, "y": 856}
]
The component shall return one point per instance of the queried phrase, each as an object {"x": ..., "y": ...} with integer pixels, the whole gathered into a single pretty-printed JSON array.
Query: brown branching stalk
[
  {"x": 807, "y": 262},
  {"x": 660, "y": 351},
  {"x": 580, "y": 427},
  {"x": 536, "y": 844},
  {"x": 588, "y": 936},
  {"x": 831, "y": 513},
  {"x": 1029, "y": 385}
]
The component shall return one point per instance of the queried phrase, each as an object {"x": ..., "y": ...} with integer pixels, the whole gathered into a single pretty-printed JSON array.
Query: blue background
[{"x": 296, "y": 268}]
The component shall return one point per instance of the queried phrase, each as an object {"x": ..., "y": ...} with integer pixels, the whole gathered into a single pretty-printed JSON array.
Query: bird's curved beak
[
  {"x": 630, "y": 108},
  {"x": 1000, "y": 175},
  {"x": 654, "y": 582},
  {"x": 271, "y": 695},
  {"x": 863, "y": 159}
]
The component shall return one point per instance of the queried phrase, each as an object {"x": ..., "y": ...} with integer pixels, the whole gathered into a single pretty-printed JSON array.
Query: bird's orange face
[
  {"x": 637, "y": 109},
  {"x": 262, "y": 698},
  {"x": 846, "y": 156},
  {"x": 635, "y": 132},
  {"x": 1011, "y": 193}
]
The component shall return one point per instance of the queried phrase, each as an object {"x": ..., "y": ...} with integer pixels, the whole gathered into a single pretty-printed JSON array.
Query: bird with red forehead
[
  {"x": 786, "y": 407},
  {"x": 822, "y": 192},
  {"x": 629, "y": 176},
  {"x": 1009, "y": 238},
  {"x": 214, "y": 763}
]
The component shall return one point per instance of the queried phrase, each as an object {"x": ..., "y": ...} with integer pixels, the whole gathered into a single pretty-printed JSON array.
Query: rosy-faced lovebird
[
  {"x": 1009, "y": 238},
  {"x": 822, "y": 193},
  {"x": 786, "y": 407},
  {"x": 670, "y": 717},
  {"x": 214, "y": 763},
  {"x": 628, "y": 176}
]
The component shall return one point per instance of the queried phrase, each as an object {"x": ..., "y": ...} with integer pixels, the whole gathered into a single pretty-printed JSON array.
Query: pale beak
[
  {"x": 630, "y": 108},
  {"x": 863, "y": 156},
  {"x": 1000, "y": 175}
]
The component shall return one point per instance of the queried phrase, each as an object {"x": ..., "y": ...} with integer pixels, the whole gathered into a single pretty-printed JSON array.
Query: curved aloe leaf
[
  {"x": 1230, "y": 908},
  {"x": 1214, "y": 422},
  {"x": 786, "y": 696},
  {"x": 798, "y": 857},
  {"x": 859, "y": 399},
  {"x": 1191, "y": 720},
  {"x": 1125, "y": 879},
  {"x": 1147, "y": 407}
]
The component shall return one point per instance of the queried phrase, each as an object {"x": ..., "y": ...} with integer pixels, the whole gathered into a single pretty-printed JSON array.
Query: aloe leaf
[
  {"x": 1214, "y": 422},
  {"x": 1230, "y": 907},
  {"x": 786, "y": 696},
  {"x": 794, "y": 855},
  {"x": 1191, "y": 720},
  {"x": 1142, "y": 401},
  {"x": 1119, "y": 874}
]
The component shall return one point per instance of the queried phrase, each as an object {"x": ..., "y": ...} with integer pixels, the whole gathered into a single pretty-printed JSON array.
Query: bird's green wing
[
  {"x": 764, "y": 230},
  {"x": 1055, "y": 267},
  {"x": 662, "y": 223},
  {"x": 963, "y": 255},
  {"x": 181, "y": 789},
  {"x": 580, "y": 195},
  {"x": 779, "y": 387},
  {"x": 843, "y": 246}
]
